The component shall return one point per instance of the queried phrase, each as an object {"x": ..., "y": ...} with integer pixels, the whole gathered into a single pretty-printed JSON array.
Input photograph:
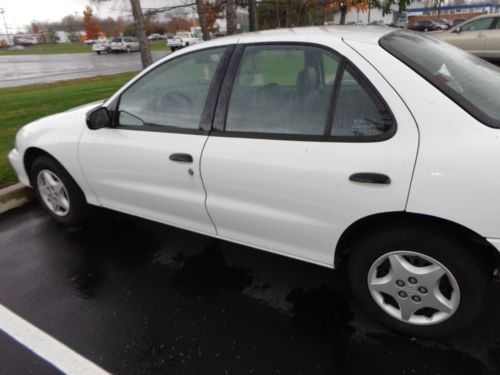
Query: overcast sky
[{"x": 19, "y": 13}]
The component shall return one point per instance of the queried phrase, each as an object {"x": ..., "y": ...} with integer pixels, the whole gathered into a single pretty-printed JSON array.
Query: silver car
[
  {"x": 479, "y": 36},
  {"x": 124, "y": 44}
]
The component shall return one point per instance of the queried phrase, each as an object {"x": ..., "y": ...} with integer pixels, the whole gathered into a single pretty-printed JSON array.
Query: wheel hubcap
[
  {"x": 53, "y": 192},
  {"x": 413, "y": 288}
]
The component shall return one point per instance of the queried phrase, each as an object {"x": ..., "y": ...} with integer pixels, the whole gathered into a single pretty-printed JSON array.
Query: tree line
[{"x": 264, "y": 15}]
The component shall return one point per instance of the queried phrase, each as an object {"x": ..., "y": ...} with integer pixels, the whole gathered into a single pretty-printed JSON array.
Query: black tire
[
  {"x": 471, "y": 273},
  {"x": 79, "y": 210},
  {"x": 172, "y": 48}
]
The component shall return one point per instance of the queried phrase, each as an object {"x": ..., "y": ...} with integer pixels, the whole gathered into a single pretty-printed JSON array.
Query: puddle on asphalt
[{"x": 319, "y": 313}]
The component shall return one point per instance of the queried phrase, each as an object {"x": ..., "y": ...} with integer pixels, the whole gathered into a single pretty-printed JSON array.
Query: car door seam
[
  {"x": 411, "y": 114},
  {"x": 203, "y": 184}
]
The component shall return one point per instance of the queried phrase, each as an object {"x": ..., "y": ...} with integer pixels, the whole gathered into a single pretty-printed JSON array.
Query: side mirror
[{"x": 98, "y": 118}]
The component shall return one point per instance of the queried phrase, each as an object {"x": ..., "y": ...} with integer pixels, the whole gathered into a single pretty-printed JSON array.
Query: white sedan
[{"x": 371, "y": 149}]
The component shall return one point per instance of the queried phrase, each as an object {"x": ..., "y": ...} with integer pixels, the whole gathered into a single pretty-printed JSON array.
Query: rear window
[{"x": 471, "y": 82}]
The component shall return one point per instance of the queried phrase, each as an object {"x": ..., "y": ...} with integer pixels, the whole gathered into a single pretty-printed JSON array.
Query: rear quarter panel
[{"x": 457, "y": 173}]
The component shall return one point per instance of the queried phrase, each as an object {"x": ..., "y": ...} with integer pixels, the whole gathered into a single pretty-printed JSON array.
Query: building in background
[{"x": 418, "y": 11}]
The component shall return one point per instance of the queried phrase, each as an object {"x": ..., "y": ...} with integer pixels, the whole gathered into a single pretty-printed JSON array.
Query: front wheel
[
  {"x": 419, "y": 282},
  {"x": 57, "y": 192}
]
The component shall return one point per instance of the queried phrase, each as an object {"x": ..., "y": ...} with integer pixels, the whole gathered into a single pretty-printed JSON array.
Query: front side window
[
  {"x": 282, "y": 89},
  {"x": 172, "y": 95},
  {"x": 481, "y": 24},
  {"x": 470, "y": 81}
]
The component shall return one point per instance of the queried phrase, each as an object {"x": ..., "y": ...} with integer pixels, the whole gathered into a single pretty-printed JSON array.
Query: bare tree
[
  {"x": 202, "y": 19},
  {"x": 146, "y": 57},
  {"x": 230, "y": 16}
]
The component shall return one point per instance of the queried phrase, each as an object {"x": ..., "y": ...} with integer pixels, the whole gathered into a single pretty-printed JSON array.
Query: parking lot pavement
[
  {"x": 27, "y": 69},
  {"x": 134, "y": 296}
]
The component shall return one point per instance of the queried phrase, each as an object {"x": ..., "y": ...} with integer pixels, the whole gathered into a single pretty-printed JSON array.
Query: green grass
[
  {"x": 54, "y": 49},
  {"x": 21, "y": 105}
]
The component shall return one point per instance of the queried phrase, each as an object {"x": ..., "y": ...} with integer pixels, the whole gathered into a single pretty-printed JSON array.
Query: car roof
[{"x": 314, "y": 34}]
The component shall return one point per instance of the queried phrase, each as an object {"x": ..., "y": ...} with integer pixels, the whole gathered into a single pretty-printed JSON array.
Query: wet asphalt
[
  {"x": 137, "y": 297},
  {"x": 27, "y": 69}
]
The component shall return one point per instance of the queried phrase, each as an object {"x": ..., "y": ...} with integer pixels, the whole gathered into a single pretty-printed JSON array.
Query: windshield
[
  {"x": 470, "y": 81},
  {"x": 117, "y": 40}
]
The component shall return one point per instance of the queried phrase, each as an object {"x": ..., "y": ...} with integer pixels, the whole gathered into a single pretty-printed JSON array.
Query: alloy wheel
[
  {"x": 413, "y": 288},
  {"x": 53, "y": 192}
]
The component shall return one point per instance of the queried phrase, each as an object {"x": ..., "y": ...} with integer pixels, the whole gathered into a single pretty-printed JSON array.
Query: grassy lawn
[
  {"x": 21, "y": 105},
  {"x": 51, "y": 49}
]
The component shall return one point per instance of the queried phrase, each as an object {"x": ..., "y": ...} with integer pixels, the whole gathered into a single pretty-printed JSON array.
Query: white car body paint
[
  {"x": 295, "y": 197},
  {"x": 455, "y": 178},
  {"x": 290, "y": 197}
]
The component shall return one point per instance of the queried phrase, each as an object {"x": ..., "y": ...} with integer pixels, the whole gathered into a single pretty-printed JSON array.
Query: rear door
[{"x": 304, "y": 145}]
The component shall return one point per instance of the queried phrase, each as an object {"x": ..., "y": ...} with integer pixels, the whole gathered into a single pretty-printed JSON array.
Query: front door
[
  {"x": 149, "y": 163},
  {"x": 286, "y": 172}
]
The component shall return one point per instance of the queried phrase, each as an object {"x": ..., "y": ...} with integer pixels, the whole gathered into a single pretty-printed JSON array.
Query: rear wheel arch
[{"x": 400, "y": 220}]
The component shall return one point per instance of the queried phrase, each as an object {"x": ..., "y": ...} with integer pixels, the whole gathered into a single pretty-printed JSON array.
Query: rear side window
[
  {"x": 302, "y": 90},
  {"x": 470, "y": 81},
  {"x": 359, "y": 111},
  {"x": 282, "y": 90}
]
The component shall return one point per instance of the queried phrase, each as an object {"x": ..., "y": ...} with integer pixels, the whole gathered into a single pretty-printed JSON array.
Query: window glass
[
  {"x": 481, "y": 24},
  {"x": 282, "y": 89},
  {"x": 497, "y": 23},
  {"x": 469, "y": 80},
  {"x": 173, "y": 94},
  {"x": 358, "y": 110}
]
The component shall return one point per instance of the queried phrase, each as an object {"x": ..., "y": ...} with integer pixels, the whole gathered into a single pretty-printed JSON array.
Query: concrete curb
[{"x": 14, "y": 196}]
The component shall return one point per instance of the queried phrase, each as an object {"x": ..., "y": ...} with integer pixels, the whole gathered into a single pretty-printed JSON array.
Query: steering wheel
[{"x": 174, "y": 98}]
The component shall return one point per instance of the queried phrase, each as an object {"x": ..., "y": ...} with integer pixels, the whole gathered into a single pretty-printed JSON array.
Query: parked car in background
[
  {"x": 183, "y": 39},
  {"x": 443, "y": 23},
  {"x": 425, "y": 25},
  {"x": 242, "y": 139},
  {"x": 156, "y": 37},
  {"x": 16, "y": 48},
  {"x": 124, "y": 44},
  {"x": 479, "y": 36},
  {"x": 102, "y": 45}
]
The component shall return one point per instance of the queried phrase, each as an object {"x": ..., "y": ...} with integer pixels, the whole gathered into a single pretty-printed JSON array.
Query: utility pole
[
  {"x": 5, "y": 25},
  {"x": 252, "y": 15}
]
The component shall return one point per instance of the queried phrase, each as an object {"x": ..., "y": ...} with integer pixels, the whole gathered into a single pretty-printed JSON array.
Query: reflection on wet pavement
[{"x": 138, "y": 297}]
